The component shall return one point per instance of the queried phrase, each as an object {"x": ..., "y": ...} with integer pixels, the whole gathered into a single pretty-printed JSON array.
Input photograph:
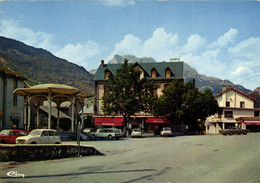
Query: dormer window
[
  {"x": 107, "y": 74},
  {"x": 154, "y": 73},
  {"x": 168, "y": 72}
]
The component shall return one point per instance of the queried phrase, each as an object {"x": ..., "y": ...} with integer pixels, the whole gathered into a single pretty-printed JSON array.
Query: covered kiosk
[{"x": 57, "y": 93}]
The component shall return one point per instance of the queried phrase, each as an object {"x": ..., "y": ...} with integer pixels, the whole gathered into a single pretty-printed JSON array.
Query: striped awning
[
  {"x": 108, "y": 121},
  {"x": 157, "y": 120}
]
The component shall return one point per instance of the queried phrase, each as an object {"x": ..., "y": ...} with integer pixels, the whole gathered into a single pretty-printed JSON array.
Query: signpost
[{"x": 174, "y": 59}]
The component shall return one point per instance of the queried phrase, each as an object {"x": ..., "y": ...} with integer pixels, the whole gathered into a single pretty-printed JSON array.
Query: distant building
[
  {"x": 235, "y": 109},
  {"x": 162, "y": 73},
  {"x": 11, "y": 106}
]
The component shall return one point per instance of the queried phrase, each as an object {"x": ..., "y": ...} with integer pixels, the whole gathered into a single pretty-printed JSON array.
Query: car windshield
[
  {"x": 35, "y": 132},
  {"x": 167, "y": 129},
  {"x": 5, "y": 132},
  {"x": 137, "y": 130}
]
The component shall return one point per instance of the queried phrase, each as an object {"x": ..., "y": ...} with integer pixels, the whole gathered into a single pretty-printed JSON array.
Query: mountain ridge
[
  {"x": 40, "y": 66},
  {"x": 202, "y": 82}
]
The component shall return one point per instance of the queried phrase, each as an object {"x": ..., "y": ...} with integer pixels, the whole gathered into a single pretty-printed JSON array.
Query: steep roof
[
  {"x": 175, "y": 67},
  {"x": 11, "y": 73},
  {"x": 235, "y": 91}
]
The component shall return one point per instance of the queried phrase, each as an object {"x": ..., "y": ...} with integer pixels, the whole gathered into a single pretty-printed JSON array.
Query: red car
[{"x": 9, "y": 136}]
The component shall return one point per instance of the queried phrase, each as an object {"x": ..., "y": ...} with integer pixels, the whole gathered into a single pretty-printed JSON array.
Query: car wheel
[
  {"x": 117, "y": 138},
  {"x": 110, "y": 137},
  {"x": 245, "y": 133}
]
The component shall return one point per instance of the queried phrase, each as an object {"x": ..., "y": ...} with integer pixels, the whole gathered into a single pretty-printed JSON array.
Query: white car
[
  {"x": 136, "y": 132},
  {"x": 109, "y": 133},
  {"x": 40, "y": 136},
  {"x": 166, "y": 131}
]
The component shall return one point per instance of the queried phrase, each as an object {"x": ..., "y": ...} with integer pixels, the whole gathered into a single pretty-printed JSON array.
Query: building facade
[
  {"x": 234, "y": 106},
  {"x": 11, "y": 105},
  {"x": 162, "y": 73}
]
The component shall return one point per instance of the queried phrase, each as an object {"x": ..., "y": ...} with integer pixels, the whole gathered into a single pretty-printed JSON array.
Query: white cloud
[
  {"x": 161, "y": 46},
  {"x": 249, "y": 48},
  {"x": 14, "y": 30},
  {"x": 241, "y": 70},
  {"x": 225, "y": 39},
  {"x": 239, "y": 63},
  {"x": 119, "y": 2},
  {"x": 80, "y": 53},
  {"x": 130, "y": 44},
  {"x": 194, "y": 43}
]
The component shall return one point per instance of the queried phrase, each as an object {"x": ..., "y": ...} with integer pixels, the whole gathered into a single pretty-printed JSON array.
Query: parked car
[
  {"x": 89, "y": 130},
  {"x": 71, "y": 136},
  {"x": 136, "y": 132},
  {"x": 40, "y": 136},
  {"x": 166, "y": 131},
  {"x": 9, "y": 136},
  {"x": 109, "y": 133},
  {"x": 233, "y": 130}
]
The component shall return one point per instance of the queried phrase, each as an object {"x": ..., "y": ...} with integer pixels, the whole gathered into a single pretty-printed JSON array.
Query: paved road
[{"x": 209, "y": 159}]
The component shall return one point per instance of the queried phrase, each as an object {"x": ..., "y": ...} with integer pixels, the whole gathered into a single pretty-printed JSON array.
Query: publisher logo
[{"x": 15, "y": 174}]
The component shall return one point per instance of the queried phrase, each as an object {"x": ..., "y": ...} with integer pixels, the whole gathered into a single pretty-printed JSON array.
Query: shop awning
[
  {"x": 157, "y": 120},
  {"x": 252, "y": 122},
  {"x": 108, "y": 121}
]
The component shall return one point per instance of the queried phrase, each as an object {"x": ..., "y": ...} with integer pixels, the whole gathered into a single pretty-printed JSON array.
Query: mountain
[
  {"x": 40, "y": 66},
  {"x": 202, "y": 82}
]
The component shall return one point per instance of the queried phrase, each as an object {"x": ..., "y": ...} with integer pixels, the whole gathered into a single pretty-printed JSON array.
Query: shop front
[
  {"x": 156, "y": 124},
  {"x": 109, "y": 122},
  {"x": 251, "y": 123}
]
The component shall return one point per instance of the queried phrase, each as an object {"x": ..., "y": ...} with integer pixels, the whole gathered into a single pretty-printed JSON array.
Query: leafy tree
[
  {"x": 126, "y": 93},
  {"x": 184, "y": 102},
  {"x": 170, "y": 102}
]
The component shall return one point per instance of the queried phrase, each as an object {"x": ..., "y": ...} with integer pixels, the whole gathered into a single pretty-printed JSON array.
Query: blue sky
[{"x": 220, "y": 39}]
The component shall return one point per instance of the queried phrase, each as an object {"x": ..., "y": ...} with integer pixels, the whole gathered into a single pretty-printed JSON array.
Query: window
[
  {"x": 256, "y": 114},
  {"x": 228, "y": 114},
  {"x": 168, "y": 73},
  {"x": 227, "y": 104},
  {"x": 45, "y": 133},
  {"x": 14, "y": 100},
  {"x": 107, "y": 74},
  {"x": 154, "y": 73},
  {"x": 15, "y": 83},
  {"x": 242, "y": 104}
]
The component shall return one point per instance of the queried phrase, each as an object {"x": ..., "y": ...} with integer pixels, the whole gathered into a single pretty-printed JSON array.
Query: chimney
[
  {"x": 224, "y": 87},
  {"x": 102, "y": 63}
]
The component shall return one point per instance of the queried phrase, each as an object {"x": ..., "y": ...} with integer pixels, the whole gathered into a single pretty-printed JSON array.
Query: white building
[
  {"x": 234, "y": 106},
  {"x": 11, "y": 105}
]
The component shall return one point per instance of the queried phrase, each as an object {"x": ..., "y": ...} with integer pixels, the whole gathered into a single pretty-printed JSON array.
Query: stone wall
[{"x": 38, "y": 152}]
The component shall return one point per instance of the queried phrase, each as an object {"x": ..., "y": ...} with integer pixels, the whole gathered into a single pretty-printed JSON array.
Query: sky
[{"x": 218, "y": 38}]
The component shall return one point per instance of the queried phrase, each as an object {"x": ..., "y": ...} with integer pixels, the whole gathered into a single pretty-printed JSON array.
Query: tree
[
  {"x": 126, "y": 93},
  {"x": 184, "y": 102},
  {"x": 170, "y": 102}
]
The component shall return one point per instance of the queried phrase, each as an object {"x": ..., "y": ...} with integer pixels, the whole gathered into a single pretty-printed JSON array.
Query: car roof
[
  {"x": 44, "y": 130},
  {"x": 15, "y": 130}
]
